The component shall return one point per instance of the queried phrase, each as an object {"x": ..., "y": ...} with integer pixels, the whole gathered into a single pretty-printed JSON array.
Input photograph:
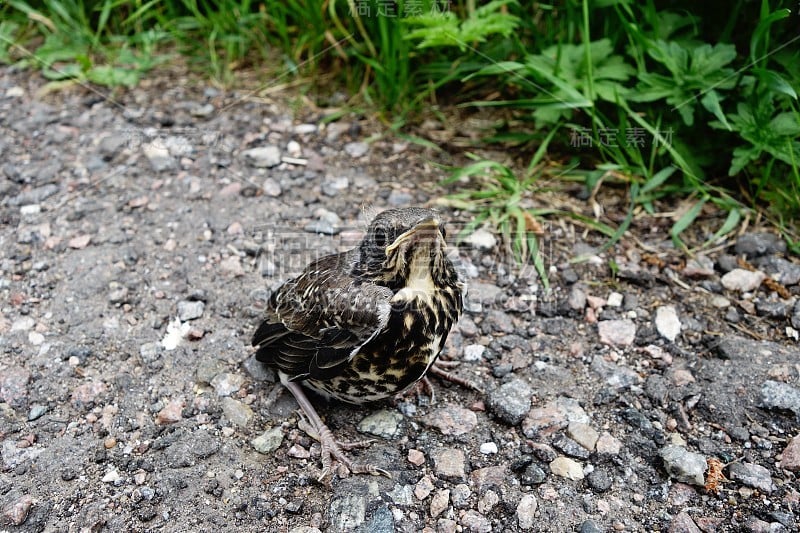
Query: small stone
[
  {"x": 450, "y": 464},
  {"x": 232, "y": 265},
  {"x": 757, "y": 244},
  {"x": 780, "y": 396},
  {"x": 488, "y": 448},
  {"x": 356, "y": 149},
  {"x": 446, "y": 525},
  {"x": 577, "y": 298},
  {"x": 567, "y": 468},
  {"x": 488, "y": 501},
  {"x": 667, "y": 322},
  {"x": 526, "y": 512},
  {"x": 583, "y": 434},
  {"x": 474, "y": 522},
  {"x": 772, "y": 308},
  {"x": 474, "y": 352},
  {"x": 36, "y": 411},
  {"x": 790, "y": 458},
  {"x": 109, "y": 443},
  {"x": 236, "y": 411},
  {"x": 347, "y": 513},
  {"x": 614, "y": 299},
  {"x": 79, "y": 242},
  {"x": 334, "y": 185},
  {"x": 490, "y": 476},
  {"x": 323, "y": 227},
  {"x": 700, "y": 266},
  {"x": 617, "y": 332},
  {"x": 557, "y": 414},
  {"x": 272, "y": 188},
  {"x": 500, "y": 321},
  {"x": 608, "y": 444},
  {"x": 158, "y": 155},
  {"x": 112, "y": 476},
  {"x": 532, "y": 475},
  {"x": 439, "y": 502},
  {"x": 683, "y": 523},
  {"x": 511, "y": 401},
  {"x": 16, "y": 513},
  {"x": 190, "y": 310},
  {"x": 742, "y": 280},
  {"x": 86, "y": 393},
  {"x": 171, "y": 413},
  {"x": 263, "y": 156},
  {"x": 383, "y": 423},
  {"x": 14, "y": 385},
  {"x": 423, "y": 488},
  {"x": 452, "y": 420},
  {"x": 208, "y": 369},
  {"x": 752, "y": 475},
  {"x": 298, "y": 452},
  {"x": 269, "y": 441},
  {"x": 294, "y": 149},
  {"x": 599, "y": 480},
  {"x": 683, "y": 465},
  {"x": 588, "y": 526},
  {"x": 226, "y": 384},
  {"x": 567, "y": 446},
  {"x": 416, "y": 457},
  {"x": 481, "y": 239},
  {"x": 402, "y": 494},
  {"x": 258, "y": 370}
]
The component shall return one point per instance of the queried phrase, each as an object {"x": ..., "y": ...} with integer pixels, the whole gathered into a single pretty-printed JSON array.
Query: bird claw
[{"x": 438, "y": 369}]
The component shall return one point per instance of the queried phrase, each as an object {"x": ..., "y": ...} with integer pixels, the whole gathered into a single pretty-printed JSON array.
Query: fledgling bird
[{"x": 366, "y": 324}]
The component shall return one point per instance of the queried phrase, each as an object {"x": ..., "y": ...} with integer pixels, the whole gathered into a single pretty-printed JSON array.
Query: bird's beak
[{"x": 427, "y": 229}]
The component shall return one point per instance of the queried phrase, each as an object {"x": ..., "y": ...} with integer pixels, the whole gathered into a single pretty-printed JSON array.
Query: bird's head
[{"x": 403, "y": 243}]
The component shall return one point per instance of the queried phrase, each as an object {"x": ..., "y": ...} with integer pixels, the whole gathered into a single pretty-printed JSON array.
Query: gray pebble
[
  {"x": 772, "y": 308},
  {"x": 259, "y": 371},
  {"x": 356, "y": 149},
  {"x": 567, "y": 446},
  {"x": 683, "y": 465},
  {"x": 532, "y": 475},
  {"x": 36, "y": 411},
  {"x": 383, "y": 423},
  {"x": 381, "y": 521},
  {"x": 236, "y": 411},
  {"x": 269, "y": 441},
  {"x": 588, "y": 526},
  {"x": 190, "y": 310},
  {"x": 511, "y": 401},
  {"x": 757, "y": 244},
  {"x": 780, "y": 396},
  {"x": 752, "y": 475},
  {"x": 599, "y": 480},
  {"x": 347, "y": 513},
  {"x": 150, "y": 351},
  {"x": 334, "y": 185},
  {"x": 263, "y": 156}
]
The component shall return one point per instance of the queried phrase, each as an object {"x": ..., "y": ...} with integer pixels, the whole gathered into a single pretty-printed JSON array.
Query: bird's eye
[{"x": 380, "y": 237}]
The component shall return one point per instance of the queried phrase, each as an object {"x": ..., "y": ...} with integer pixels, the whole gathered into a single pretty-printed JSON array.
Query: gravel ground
[{"x": 139, "y": 238}]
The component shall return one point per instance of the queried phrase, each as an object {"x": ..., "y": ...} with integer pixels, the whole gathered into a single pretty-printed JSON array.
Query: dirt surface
[{"x": 140, "y": 236}]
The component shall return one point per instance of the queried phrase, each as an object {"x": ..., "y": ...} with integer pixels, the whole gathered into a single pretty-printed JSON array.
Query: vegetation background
[{"x": 662, "y": 99}]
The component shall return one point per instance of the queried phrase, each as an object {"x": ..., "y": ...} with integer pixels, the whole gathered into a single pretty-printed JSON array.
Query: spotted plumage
[{"x": 366, "y": 324}]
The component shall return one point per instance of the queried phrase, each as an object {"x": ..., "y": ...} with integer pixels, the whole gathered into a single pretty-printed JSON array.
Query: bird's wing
[{"x": 319, "y": 320}]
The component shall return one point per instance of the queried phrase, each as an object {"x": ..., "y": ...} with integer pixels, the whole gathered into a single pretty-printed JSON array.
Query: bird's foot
[
  {"x": 330, "y": 448},
  {"x": 438, "y": 369}
]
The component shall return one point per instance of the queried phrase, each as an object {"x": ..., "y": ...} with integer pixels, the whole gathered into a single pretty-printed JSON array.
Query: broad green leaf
[
  {"x": 711, "y": 101},
  {"x": 686, "y": 220}
]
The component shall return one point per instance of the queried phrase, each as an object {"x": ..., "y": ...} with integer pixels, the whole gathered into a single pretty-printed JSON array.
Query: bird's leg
[
  {"x": 329, "y": 446},
  {"x": 438, "y": 369}
]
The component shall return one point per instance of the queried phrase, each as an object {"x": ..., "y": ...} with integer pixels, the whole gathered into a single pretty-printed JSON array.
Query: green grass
[{"x": 673, "y": 99}]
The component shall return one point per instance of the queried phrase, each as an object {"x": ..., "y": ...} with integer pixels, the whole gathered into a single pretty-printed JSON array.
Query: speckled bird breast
[{"x": 400, "y": 355}]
